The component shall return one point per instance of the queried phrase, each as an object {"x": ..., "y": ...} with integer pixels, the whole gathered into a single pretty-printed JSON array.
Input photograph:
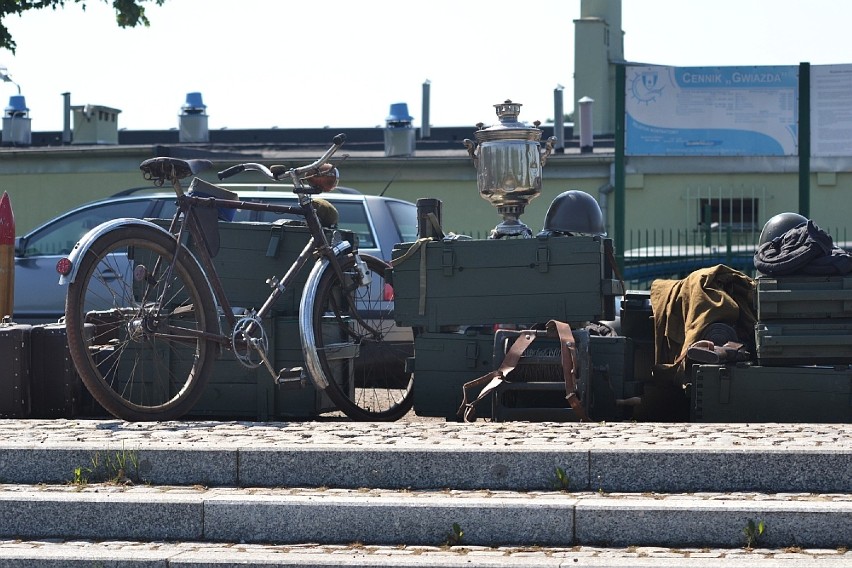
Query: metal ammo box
[
  {"x": 475, "y": 282},
  {"x": 744, "y": 393}
]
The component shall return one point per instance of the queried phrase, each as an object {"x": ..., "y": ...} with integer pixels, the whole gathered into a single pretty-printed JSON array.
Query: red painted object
[
  {"x": 7, "y": 257},
  {"x": 7, "y": 221}
]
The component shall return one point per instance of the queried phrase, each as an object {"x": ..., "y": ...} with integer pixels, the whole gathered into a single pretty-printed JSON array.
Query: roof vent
[
  {"x": 17, "y": 130},
  {"x": 399, "y": 134},
  {"x": 193, "y": 120}
]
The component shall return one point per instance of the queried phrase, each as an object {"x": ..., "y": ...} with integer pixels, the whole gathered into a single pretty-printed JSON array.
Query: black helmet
[
  {"x": 778, "y": 225},
  {"x": 575, "y": 212}
]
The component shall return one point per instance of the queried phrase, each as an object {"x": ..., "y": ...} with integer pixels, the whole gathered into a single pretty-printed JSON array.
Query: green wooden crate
[
  {"x": 804, "y": 342},
  {"x": 306, "y": 401},
  {"x": 443, "y": 363},
  {"x": 771, "y": 394},
  {"x": 251, "y": 252},
  {"x": 790, "y": 297},
  {"x": 517, "y": 281}
]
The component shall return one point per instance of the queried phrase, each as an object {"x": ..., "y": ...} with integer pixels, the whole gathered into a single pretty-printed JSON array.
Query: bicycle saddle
[{"x": 162, "y": 169}]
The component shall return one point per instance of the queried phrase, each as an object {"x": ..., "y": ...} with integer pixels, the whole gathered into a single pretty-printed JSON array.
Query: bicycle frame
[{"x": 317, "y": 247}]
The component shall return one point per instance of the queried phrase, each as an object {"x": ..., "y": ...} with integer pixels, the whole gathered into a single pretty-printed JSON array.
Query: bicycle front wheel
[
  {"x": 354, "y": 317},
  {"x": 136, "y": 317}
]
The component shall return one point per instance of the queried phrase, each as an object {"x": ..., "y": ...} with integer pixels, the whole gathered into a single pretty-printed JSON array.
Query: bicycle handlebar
[{"x": 277, "y": 172}]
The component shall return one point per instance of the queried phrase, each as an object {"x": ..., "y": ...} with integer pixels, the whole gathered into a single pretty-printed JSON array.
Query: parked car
[{"x": 379, "y": 223}]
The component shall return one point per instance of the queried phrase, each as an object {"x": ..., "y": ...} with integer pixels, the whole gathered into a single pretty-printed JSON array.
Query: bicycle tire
[
  {"x": 376, "y": 384},
  {"x": 134, "y": 366}
]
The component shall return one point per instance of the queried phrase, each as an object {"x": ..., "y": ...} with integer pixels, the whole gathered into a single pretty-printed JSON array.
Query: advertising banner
[{"x": 711, "y": 111}]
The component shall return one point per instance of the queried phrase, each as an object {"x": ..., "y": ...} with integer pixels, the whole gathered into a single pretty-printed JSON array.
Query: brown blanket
[{"x": 683, "y": 308}]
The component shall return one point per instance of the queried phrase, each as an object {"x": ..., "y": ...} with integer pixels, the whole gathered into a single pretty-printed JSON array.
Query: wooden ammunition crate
[
  {"x": 771, "y": 394},
  {"x": 443, "y": 363},
  {"x": 511, "y": 281},
  {"x": 250, "y": 253},
  {"x": 804, "y": 342},
  {"x": 804, "y": 297}
]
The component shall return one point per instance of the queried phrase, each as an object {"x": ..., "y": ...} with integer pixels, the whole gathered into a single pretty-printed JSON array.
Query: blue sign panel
[{"x": 711, "y": 111}]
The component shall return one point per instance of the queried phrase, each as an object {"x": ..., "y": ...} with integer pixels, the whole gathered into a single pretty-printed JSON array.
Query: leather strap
[
  {"x": 494, "y": 378},
  {"x": 568, "y": 352}
]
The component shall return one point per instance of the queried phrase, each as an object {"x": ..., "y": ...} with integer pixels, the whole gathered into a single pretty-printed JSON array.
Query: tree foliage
[{"x": 128, "y": 13}]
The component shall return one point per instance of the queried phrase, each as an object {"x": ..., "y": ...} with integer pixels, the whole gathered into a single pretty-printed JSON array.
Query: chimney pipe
[
  {"x": 66, "y": 118},
  {"x": 424, "y": 123},
  {"x": 587, "y": 139},
  {"x": 559, "y": 120}
]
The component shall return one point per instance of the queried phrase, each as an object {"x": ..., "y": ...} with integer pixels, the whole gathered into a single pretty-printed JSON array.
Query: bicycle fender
[
  {"x": 85, "y": 242},
  {"x": 309, "y": 294}
]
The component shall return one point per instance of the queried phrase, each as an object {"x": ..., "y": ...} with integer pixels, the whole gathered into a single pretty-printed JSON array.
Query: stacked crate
[
  {"x": 804, "y": 320},
  {"x": 456, "y": 293},
  {"x": 249, "y": 253},
  {"x": 803, "y": 340}
]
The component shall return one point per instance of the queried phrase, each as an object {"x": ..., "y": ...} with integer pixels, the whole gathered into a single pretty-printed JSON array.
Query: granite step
[
  {"x": 422, "y": 518},
  {"x": 510, "y": 456}
]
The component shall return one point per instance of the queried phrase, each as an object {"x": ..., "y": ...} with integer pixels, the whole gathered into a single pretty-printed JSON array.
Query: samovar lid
[{"x": 509, "y": 127}]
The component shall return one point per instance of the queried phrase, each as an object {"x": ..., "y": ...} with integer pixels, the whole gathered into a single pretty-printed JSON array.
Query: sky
[{"x": 339, "y": 63}]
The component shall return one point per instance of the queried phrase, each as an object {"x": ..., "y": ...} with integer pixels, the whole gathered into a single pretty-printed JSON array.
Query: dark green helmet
[
  {"x": 780, "y": 224},
  {"x": 575, "y": 212}
]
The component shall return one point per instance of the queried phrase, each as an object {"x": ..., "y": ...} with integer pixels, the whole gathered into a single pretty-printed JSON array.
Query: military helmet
[
  {"x": 780, "y": 224},
  {"x": 575, "y": 212}
]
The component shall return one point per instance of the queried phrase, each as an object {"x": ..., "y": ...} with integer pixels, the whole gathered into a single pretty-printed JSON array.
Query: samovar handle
[
  {"x": 548, "y": 149},
  {"x": 471, "y": 149}
]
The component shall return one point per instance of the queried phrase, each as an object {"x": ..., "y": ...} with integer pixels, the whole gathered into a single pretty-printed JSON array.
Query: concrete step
[
  {"x": 134, "y": 554},
  {"x": 337, "y": 493},
  {"x": 620, "y": 457},
  {"x": 422, "y": 518}
]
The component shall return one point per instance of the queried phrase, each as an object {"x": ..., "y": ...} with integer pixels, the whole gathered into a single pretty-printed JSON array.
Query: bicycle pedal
[{"x": 293, "y": 378}]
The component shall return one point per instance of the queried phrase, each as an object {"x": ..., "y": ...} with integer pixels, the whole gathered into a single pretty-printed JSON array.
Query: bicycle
[{"x": 163, "y": 315}]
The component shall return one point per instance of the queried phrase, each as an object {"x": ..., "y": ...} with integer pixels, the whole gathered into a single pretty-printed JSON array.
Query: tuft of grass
[
  {"x": 563, "y": 481},
  {"x": 455, "y": 537},
  {"x": 753, "y": 532}
]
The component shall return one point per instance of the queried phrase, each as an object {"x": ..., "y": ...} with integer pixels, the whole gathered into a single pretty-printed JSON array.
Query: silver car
[{"x": 379, "y": 223}]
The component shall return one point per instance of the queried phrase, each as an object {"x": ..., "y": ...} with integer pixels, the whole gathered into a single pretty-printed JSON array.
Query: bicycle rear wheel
[
  {"x": 350, "y": 316},
  {"x": 147, "y": 358}
]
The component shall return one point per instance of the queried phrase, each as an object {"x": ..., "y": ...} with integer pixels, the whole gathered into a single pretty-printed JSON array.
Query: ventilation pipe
[
  {"x": 424, "y": 123},
  {"x": 587, "y": 140},
  {"x": 559, "y": 120},
  {"x": 604, "y": 192},
  {"x": 66, "y": 118}
]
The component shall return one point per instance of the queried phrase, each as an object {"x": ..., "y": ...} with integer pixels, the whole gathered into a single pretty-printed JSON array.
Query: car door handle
[{"x": 109, "y": 274}]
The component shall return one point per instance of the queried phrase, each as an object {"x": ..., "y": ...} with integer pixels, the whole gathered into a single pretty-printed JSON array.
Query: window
[
  {"x": 739, "y": 213},
  {"x": 61, "y": 236}
]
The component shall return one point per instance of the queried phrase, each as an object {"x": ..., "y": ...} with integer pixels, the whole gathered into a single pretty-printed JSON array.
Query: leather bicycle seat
[{"x": 164, "y": 168}]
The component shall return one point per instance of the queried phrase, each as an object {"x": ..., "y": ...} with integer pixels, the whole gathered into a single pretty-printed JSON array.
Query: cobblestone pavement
[
  {"x": 430, "y": 432},
  {"x": 357, "y": 554}
]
